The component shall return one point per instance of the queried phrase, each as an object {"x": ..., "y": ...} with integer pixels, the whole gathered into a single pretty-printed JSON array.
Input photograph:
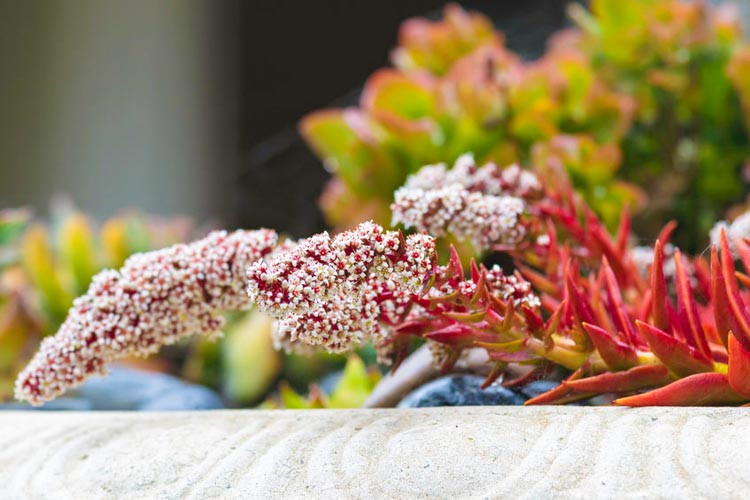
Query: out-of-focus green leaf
[
  {"x": 435, "y": 46},
  {"x": 250, "y": 363},
  {"x": 77, "y": 250},
  {"x": 12, "y": 224},
  {"x": 293, "y": 401},
  {"x": 355, "y": 385},
  {"x": 39, "y": 262},
  {"x": 347, "y": 142}
]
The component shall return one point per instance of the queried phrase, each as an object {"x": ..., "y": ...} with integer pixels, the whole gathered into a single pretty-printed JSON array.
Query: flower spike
[{"x": 157, "y": 298}]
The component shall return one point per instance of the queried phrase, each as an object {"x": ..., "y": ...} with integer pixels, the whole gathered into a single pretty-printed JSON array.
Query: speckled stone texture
[{"x": 470, "y": 452}]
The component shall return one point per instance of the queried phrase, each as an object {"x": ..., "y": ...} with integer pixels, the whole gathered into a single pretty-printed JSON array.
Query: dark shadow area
[{"x": 296, "y": 57}]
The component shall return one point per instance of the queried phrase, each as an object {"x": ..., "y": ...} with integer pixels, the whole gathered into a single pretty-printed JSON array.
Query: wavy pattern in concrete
[{"x": 490, "y": 452}]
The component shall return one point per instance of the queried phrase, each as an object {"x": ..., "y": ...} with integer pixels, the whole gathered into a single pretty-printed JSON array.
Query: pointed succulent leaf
[
  {"x": 694, "y": 331},
  {"x": 701, "y": 389},
  {"x": 679, "y": 357},
  {"x": 738, "y": 313},
  {"x": 617, "y": 304},
  {"x": 616, "y": 354},
  {"x": 562, "y": 393},
  {"x": 636, "y": 378},
  {"x": 719, "y": 299},
  {"x": 739, "y": 367},
  {"x": 659, "y": 289}
]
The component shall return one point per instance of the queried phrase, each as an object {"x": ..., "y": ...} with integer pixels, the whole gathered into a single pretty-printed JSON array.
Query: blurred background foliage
[{"x": 644, "y": 103}]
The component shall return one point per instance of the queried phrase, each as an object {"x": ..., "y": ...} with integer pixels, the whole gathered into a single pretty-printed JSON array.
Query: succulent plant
[{"x": 654, "y": 328}]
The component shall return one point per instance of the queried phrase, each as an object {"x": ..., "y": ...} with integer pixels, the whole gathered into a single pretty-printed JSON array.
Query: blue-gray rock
[
  {"x": 128, "y": 389},
  {"x": 460, "y": 390},
  {"x": 534, "y": 389}
]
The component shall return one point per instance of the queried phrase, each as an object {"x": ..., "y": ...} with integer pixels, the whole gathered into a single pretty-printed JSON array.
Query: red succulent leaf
[
  {"x": 695, "y": 335},
  {"x": 610, "y": 254},
  {"x": 562, "y": 393},
  {"x": 497, "y": 370},
  {"x": 578, "y": 302},
  {"x": 450, "y": 360},
  {"x": 466, "y": 317},
  {"x": 739, "y": 367},
  {"x": 666, "y": 232},
  {"x": 534, "y": 322},
  {"x": 475, "y": 272},
  {"x": 719, "y": 300},
  {"x": 623, "y": 231},
  {"x": 617, "y": 355},
  {"x": 553, "y": 253},
  {"x": 540, "y": 283},
  {"x": 481, "y": 285},
  {"x": 644, "y": 310},
  {"x": 617, "y": 305},
  {"x": 638, "y": 377},
  {"x": 453, "y": 335},
  {"x": 679, "y": 357},
  {"x": 743, "y": 278},
  {"x": 702, "y": 275},
  {"x": 455, "y": 264},
  {"x": 415, "y": 327},
  {"x": 553, "y": 322},
  {"x": 659, "y": 289},
  {"x": 719, "y": 353},
  {"x": 738, "y": 316},
  {"x": 744, "y": 251},
  {"x": 701, "y": 389},
  {"x": 677, "y": 323}
]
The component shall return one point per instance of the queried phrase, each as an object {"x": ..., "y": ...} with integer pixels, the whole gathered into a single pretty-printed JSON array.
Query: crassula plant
[
  {"x": 640, "y": 100},
  {"x": 655, "y": 328}
]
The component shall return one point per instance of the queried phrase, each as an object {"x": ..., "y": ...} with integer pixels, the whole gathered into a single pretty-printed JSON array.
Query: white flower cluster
[
  {"x": 155, "y": 299},
  {"x": 483, "y": 220},
  {"x": 331, "y": 292},
  {"x": 488, "y": 179},
  {"x": 483, "y": 206}
]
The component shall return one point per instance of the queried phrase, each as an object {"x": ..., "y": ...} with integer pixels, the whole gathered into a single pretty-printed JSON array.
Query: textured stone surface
[{"x": 543, "y": 452}]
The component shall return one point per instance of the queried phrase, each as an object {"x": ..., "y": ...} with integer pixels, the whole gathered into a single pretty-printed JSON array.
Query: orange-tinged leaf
[
  {"x": 719, "y": 299},
  {"x": 659, "y": 289},
  {"x": 540, "y": 282},
  {"x": 455, "y": 264},
  {"x": 617, "y": 355},
  {"x": 679, "y": 357},
  {"x": 620, "y": 317},
  {"x": 666, "y": 232},
  {"x": 694, "y": 331},
  {"x": 638, "y": 377},
  {"x": 561, "y": 394},
  {"x": 701, "y": 389},
  {"x": 739, "y": 367},
  {"x": 738, "y": 317},
  {"x": 623, "y": 231}
]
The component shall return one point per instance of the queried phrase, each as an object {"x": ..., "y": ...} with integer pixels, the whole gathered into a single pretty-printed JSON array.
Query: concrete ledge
[{"x": 541, "y": 452}]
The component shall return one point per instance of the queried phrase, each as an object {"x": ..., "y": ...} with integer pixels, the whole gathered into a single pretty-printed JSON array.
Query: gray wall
[{"x": 117, "y": 103}]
